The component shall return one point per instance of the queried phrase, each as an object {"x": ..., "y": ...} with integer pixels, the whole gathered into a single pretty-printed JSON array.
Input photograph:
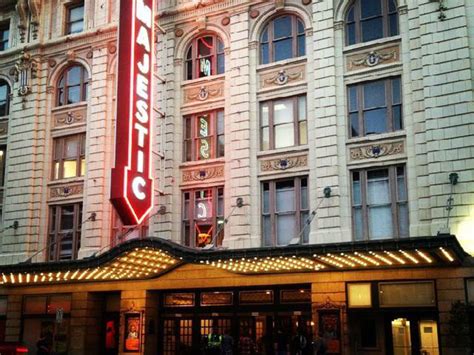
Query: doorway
[{"x": 414, "y": 336}]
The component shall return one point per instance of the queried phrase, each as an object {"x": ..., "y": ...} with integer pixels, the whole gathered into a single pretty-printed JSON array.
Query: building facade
[{"x": 332, "y": 141}]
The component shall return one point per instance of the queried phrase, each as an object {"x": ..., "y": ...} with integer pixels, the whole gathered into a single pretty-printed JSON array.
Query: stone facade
[{"x": 433, "y": 58}]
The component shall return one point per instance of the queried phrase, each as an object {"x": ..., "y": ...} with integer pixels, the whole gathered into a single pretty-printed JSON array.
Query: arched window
[
  {"x": 72, "y": 86},
  {"x": 367, "y": 20},
  {"x": 4, "y": 98},
  {"x": 205, "y": 57},
  {"x": 282, "y": 38}
]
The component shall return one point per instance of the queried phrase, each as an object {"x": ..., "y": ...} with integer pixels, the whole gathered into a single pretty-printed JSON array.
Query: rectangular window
[
  {"x": 203, "y": 217},
  {"x": 4, "y": 35},
  {"x": 379, "y": 203},
  {"x": 470, "y": 291},
  {"x": 403, "y": 294},
  {"x": 285, "y": 209},
  {"x": 283, "y": 123},
  {"x": 359, "y": 295},
  {"x": 375, "y": 107},
  {"x": 204, "y": 136},
  {"x": 75, "y": 18},
  {"x": 69, "y": 156},
  {"x": 65, "y": 223}
]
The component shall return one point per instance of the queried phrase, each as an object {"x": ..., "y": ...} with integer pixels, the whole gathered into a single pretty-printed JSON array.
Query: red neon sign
[{"x": 132, "y": 183}]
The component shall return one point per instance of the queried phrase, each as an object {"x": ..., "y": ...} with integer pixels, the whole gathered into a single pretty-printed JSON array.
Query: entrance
[
  {"x": 414, "y": 336},
  {"x": 244, "y": 325}
]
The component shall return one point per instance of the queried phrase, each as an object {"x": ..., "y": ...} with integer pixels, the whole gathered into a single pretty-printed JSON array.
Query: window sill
[
  {"x": 69, "y": 107},
  {"x": 66, "y": 181},
  {"x": 203, "y": 80},
  {"x": 281, "y": 63},
  {"x": 204, "y": 163},
  {"x": 376, "y": 137},
  {"x": 376, "y": 42},
  {"x": 282, "y": 151}
]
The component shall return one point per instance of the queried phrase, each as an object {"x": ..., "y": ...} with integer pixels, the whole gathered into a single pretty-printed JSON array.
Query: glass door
[
  {"x": 401, "y": 336},
  {"x": 429, "y": 337}
]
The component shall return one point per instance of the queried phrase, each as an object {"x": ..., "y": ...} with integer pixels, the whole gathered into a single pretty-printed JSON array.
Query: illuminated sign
[{"x": 132, "y": 184}]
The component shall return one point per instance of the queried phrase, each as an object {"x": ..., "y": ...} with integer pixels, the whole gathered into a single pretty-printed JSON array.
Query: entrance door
[
  {"x": 429, "y": 337},
  {"x": 401, "y": 336},
  {"x": 177, "y": 336}
]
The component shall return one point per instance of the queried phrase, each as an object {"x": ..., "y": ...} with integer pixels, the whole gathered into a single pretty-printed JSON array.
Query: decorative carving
[
  {"x": 178, "y": 32},
  {"x": 22, "y": 11},
  {"x": 284, "y": 163},
  {"x": 225, "y": 21},
  {"x": 66, "y": 190},
  {"x": 24, "y": 70},
  {"x": 403, "y": 10},
  {"x": 3, "y": 127},
  {"x": 69, "y": 117},
  {"x": 283, "y": 76},
  {"x": 203, "y": 92},
  {"x": 204, "y": 173},
  {"x": 52, "y": 63},
  {"x": 89, "y": 54},
  {"x": 112, "y": 48},
  {"x": 279, "y": 4},
  {"x": 374, "y": 58},
  {"x": 50, "y": 89},
  {"x": 306, "y": 2},
  {"x": 201, "y": 22},
  {"x": 71, "y": 56},
  {"x": 376, "y": 150},
  {"x": 339, "y": 25},
  {"x": 254, "y": 13}
]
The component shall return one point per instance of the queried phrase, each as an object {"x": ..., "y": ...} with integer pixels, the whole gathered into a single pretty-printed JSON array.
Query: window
[
  {"x": 283, "y": 123},
  {"x": 394, "y": 294},
  {"x": 75, "y": 18},
  {"x": 359, "y": 295},
  {"x": 285, "y": 210},
  {"x": 64, "y": 231},
  {"x": 69, "y": 156},
  {"x": 3, "y": 156},
  {"x": 470, "y": 291},
  {"x": 203, "y": 217},
  {"x": 379, "y": 203},
  {"x": 4, "y": 35},
  {"x": 204, "y": 136},
  {"x": 283, "y": 38},
  {"x": 122, "y": 233},
  {"x": 4, "y": 98},
  {"x": 73, "y": 85},
  {"x": 375, "y": 107},
  {"x": 367, "y": 20},
  {"x": 205, "y": 57}
]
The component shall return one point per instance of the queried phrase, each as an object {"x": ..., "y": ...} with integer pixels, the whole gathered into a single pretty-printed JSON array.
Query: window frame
[
  {"x": 4, "y": 43},
  {"x": 273, "y": 213},
  {"x": 189, "y": 239},
  {"x": 394, "y": 202},
  {"x": 194, "y": 138},
  {"x": 56, "y": 235},
  {"x": 59, "y": 151},
  {"x": 194, "y": 60},
  {"x": 63, "y": 86},
  {"x": 271, "y": 121},
  {"x": 389, "y": 104},
  {"x": 69, "y": 23},
  {"x": 356, "y": 6},
  {"x": 7, "y": 98},
  {"x": 269, "y": 26}
]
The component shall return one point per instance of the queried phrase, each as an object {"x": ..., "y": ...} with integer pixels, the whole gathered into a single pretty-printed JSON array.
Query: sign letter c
[{"x": 137, "y": 184}]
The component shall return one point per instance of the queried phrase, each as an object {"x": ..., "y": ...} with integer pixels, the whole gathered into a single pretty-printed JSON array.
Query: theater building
[{"x": 256, "y": 169}]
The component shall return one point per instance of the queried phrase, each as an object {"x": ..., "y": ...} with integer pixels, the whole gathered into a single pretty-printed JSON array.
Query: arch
[
  {"x": 64, "y": 89},
  {"x": 184, "y": 42},
  {"x": 5, "y": 96},
  {"x": 341, "y": 7},
  {"x": 61, "y": 67},
  {"x": 257, "y": 28}
]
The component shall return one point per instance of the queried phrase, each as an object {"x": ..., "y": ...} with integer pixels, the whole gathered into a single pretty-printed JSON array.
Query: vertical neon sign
[{"x": 132, "y": 183}]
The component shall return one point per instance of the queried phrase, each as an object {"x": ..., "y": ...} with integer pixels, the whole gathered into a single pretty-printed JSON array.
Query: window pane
[
  {"x": 300, "y": 27},
  {"x": 372, "y": 29},
  {"x": 264, "y": 113},
  {"x": 351, "y": 33},
  {"x": 282, "y": 27},
  {"x": 380, "y": 222},
  {"x": 220, "y": 122},
  {"x": 350, "y": 14},
  {"x": 266, "y": 198},
  {"x": 304, "y": 194},
  {"x": 393, "y": 19},
  {"x": 205, "y": 67},
  {"x": 302, "y": 108},
  {"x": 76, "y": 13},
  {"x": 264, "y": 38},
  {"x": 71, "y": 148},
  {"x": 74, "y": 76},
  {"x": 392, "y": 7},
  {"x": 354, "y": 121},
  {"x": 189, "y": 70},
  {"x": 205, "y": 45},
  {"x": 301, "y": 46},
  {"x": 403, "y": 220},
  {"x": 396, "y": 91},
  {"x": 74, "y": 94},
  {"x": 286, "y": 229},
  {"x": 375, "y": 121},
  {"x": 359, "y": 295},
  {"x": 401, "y": 186},
  {"x": 267, "y": 231},
  {"x": 265, "y": 138},
  {"x": 378, "y": 191},
  {"x": 374, "y": 94},
  {"x": 69, "y": 169},
  {"x": 283, "y": 111},
  {"x": 220, "y": 146},
  {"x": 285, "y": 196},
  {"x": 264, "y": 54},
  {"x": 220, "y": 202},
  {"x": 304, "y": 218},
  {"x": 303, "y": 133},
  {"x": 284, "y": 135},
  {"x": 220, "y": 46},
  {"x": 358, "y": 224},
  {"x": 353, "y": 105},
  {"x": 67, "y": 218},
  {"x": 422, "y": 293},
  {"x": 83, "y": 167},
  {"x": 283, "y": 49},
  {"x": 370, "y": 8},
  {"x": 220, "y": 64},
  {"x": 356, "y": 200},
  {"x": 76, "y": 27}
]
